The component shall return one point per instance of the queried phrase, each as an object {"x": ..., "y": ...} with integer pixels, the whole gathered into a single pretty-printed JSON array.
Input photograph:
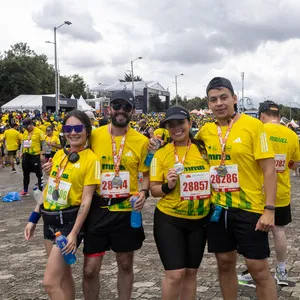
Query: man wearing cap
[
  {"x": 240, "y": 155},
  {"x": 287, "y": 155},
  {"x": 122, "y": 152},
  {"x": 32, "y": 144}
]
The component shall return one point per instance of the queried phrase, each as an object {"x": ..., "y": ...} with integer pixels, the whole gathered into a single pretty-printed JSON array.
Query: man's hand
[
  {"x": 139, "y": 203},
  {"x": 266, "y": 221}
]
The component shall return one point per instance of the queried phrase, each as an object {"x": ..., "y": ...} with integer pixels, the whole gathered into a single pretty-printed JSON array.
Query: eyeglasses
[
  {"x": 126, "y": 106},
  {"x": 70, "y": 128}
]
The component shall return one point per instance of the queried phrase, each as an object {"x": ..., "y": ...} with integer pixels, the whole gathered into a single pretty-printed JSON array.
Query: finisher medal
[
  {"x": 222, "y": 170},
  {"x": 179, "y": 168},
  {"x": 117, "y": 182},
  {"x": 55, "y": 195}
]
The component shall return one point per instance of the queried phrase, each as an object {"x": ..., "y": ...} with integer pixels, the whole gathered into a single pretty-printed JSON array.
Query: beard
[{"x": 117, "y": 123}]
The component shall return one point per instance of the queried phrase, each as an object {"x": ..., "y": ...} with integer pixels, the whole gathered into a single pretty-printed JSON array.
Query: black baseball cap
[
  {"x": 268, "y": 106},
  {"x": 176, "y": 113},
  {"x": 126, "y": 95},
  {"x": 219, "y": 82}
]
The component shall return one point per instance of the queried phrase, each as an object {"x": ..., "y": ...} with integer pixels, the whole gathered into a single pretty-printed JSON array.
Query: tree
[
  {"x": 128, "y": 78},
  {"x": 72, "y": 85},
  {"x": 155, "y": 104},
  {"x": 22, "y": 71}
]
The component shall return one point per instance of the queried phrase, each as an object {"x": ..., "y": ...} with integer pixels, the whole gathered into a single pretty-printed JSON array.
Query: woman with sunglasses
[
  {"x": 52, "y": 143},
  {"x": 74, "y": 177},
  {"x": 179, "y": 175}
]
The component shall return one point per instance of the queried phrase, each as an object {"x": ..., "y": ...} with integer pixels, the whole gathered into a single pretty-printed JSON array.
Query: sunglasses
[
  {"x": 126, "y": 106},
  {"x": 70, "y": 128}
]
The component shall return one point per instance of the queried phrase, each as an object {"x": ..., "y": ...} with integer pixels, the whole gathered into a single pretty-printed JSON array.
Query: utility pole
[{"x": 243, "y": 77}]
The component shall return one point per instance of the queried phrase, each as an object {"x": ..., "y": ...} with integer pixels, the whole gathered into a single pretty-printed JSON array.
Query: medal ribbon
[
  {"x": 60, "y": 171},
  {"x": 224, "y": 140},
  {"x": 184, "y": 156},
  {"x": 117, "y": 157}
]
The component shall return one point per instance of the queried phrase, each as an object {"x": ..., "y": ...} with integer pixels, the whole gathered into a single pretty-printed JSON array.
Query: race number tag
[
  {"x": 47, "y": 149},
  {"x": 108, "y": 191},
  {"x": 63, "y": 192},
  {"x": 27, "y": 143},
  {"x": 227, "y": 183},
  {"x": 194, "y": 186},
  {"x": 280, "y": 162}
]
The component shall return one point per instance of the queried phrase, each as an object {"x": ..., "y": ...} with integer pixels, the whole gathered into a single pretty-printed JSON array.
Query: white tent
[
  {"x": 82, "y": 105},
  {"x": 35, "y": 102},
  {"x": 24, "y": 102}
]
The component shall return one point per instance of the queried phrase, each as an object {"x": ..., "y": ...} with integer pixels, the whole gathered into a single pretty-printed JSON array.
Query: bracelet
[
  {"x": 165, "y": 188},
  {"x": 34, "y": 217},
  {"x": 269, "y": 207}
]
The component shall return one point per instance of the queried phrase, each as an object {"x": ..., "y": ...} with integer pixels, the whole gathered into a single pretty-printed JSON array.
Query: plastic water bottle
[
  {"x": 136, "y": 216},
  {"x": 61, "y": 242},
  {"x": 150, "y": 154},
  {"x": 37, "y": 194}
]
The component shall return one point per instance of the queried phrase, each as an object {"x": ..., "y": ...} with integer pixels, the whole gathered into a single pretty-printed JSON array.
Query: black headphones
[{"x": 73, "y": 157}]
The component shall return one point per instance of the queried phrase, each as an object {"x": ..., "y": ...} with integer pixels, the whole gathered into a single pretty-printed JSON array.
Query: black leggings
[
  {"x": 180, "y": 242},
  {"x": 32, "y": 164}
]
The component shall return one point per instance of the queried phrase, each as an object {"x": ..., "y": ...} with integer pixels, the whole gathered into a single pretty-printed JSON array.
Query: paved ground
[{"x": 22, "y": 263}]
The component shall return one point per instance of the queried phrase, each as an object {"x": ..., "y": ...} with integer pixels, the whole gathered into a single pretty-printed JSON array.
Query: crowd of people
[{"x": 226, "y": 184}]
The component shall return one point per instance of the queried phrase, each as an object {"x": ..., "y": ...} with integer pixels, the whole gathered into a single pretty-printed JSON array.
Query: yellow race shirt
[
  {"x": 52, "y": 139},
  {"x": 34, "y": 138},
  {"x": 1, "y": 139},
  {"x": 174, "y": 204},
  {"x": 86, "y": 171},
  {"x": 285, "y": 144},
  {"x": 247, "y": 142},
  {"x": 12, "y": 139},
  {"x": 133, "y": 157}
]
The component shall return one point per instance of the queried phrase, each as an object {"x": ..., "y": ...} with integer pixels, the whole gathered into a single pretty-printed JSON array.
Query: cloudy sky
[{"x": 200, "y": 38}]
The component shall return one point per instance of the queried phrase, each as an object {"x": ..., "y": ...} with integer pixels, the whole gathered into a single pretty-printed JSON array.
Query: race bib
[
  {"x": 27, "y": 143},
  {"x": 227, "y": 183},
  {"x": 108, "y": 191},
  {"x": 194, "y": 186},
  {"x": 63, "y": 191},
  {"x": 280, "y": 163}
]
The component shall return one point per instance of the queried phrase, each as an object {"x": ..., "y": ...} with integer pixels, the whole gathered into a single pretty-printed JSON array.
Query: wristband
[
  {"x": 269, "y": 207},
  {"x": 146, "y": 192},
  {"x": 34, "y": 217},
  {"x": 165, "y": 188}
]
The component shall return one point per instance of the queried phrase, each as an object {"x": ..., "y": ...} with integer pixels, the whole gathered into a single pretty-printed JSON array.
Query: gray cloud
[{"x": 56, "y": 12}]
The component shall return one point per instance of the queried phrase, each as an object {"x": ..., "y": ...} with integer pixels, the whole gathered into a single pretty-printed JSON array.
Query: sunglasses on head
[
  {"x": 70, "y": 128},
  {"x": 126, "y": 106}
]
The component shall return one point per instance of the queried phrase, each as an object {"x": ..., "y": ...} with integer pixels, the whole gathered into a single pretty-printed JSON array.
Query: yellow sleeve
[
  {"x": 92, "y": 175},
  {"x": 262, "y": 147},
  {"x": 156, "y": 168},
  {"x": 296, "y": 153},
  {"x": 144, "y": 151}
]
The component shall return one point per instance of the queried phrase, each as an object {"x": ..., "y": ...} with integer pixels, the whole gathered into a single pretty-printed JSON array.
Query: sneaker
[
  {"x": 246, "y": 279},
  {"x": 13, "y": 170},
  {"x": 23, "y": 193},
  {"x": 281, "y": 277}
]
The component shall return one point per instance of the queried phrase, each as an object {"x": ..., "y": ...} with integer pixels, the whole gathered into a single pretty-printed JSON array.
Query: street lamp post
[
  {"x": 176, "y": 86},
  {"x": 132, "y": 76},
  {"x": 56, "y": 67}
]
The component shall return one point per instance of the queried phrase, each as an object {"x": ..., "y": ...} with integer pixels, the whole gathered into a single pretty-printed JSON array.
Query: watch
[
  {"x": 146, "y": 192},
  {"x": 269, "y": 207}
]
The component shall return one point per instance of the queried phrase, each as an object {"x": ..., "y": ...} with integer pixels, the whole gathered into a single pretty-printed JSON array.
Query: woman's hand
[
  {"x": 172, "y": 178},
  {"x": 47, "y": 166},
  {"x": 72, "y": 244},
  {"x": 29, "y": 231}
]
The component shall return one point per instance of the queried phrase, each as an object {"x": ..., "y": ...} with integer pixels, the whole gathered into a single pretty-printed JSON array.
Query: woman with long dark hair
[
  {"x": 74, "y": 177},
  {"x": 179, "y": 175}
]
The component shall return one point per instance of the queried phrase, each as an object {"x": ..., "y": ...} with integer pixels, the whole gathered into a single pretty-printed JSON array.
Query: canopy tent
[{"x": 35, "y": 102}]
